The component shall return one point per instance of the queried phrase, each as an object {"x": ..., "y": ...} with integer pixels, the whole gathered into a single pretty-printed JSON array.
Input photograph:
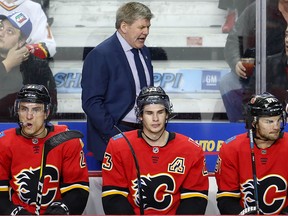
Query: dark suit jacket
[{"x": 108, "y": 91}]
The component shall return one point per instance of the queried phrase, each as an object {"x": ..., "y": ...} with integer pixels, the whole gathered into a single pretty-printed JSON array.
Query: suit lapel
[{"x": 120, "y": 54}]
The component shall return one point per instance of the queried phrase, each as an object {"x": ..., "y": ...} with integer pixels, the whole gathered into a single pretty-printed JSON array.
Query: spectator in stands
[
  {"x": 45, "y": 4},
  {"x": 41, "y": 40},
  {"x": 152, "y": 171},
  {"x": 38, "y": 155},
  {"x": 234, "y": 9},
  {"x": 236, "y": 87},
  {"x": 250, "y": 171},
  {"x": 18, "y": 67},
  {"x": 111, "y": 78}
]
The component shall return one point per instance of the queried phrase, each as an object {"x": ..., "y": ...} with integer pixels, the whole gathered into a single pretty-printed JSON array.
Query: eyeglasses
[{"x": 34, "y": 111}]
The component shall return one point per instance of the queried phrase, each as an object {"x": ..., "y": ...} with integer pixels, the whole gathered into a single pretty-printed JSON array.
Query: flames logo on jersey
[
  {"x": 27, "y": 182},
  {"x": 248, "y": 192},
  {"x": 271, "y": 193},
  {"x": 157, "y": 191}
]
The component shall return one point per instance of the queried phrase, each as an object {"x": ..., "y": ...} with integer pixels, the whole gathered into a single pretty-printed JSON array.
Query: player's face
[
  {"x": 32, "y": 116},
  {"x": 9, "y": 36},
  {"x": 136, "y": 33},
  {"x": 268, "y": 128},
  {"x": 154, "y": 118}
]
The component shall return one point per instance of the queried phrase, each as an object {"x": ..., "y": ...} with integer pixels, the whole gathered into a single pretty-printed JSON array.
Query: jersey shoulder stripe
[
  {"x": 230, "y": 139},
  {"x": 117, "y": 136}
]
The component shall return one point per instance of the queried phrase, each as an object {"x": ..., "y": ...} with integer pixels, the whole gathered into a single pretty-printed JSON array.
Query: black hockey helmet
[
  {"x": 152, "y": 95},
  {"x": 264, "y": 104},
  {"x": 33, "y": 93}
]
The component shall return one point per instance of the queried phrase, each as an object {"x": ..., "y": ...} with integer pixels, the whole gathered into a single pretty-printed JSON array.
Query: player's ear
[
  {"x": 47, "y": 113},
  {"x": 254, "y": 122}
]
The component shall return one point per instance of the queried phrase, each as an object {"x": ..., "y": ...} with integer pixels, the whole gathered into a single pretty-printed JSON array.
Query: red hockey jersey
[
  {"x": 168, "y": 174},
  {"x": 20, "y": 161},
  {"x": 234, "y": 176}
]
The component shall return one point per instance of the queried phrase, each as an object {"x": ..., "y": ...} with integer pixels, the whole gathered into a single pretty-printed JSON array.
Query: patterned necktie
[{"x": 140, "y": 68}]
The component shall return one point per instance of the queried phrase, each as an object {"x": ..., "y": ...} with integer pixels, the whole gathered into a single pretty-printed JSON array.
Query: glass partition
[
  {"x": 185, "y": 40},
  {"x": 195, "y": 46}
]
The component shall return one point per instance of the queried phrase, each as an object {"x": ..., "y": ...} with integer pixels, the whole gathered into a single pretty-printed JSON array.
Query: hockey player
[
  {"x": 41, "y": 41},
  {"x": 250, "y": 170},
  {"x": 65, "y": 185},
  {"x": 151, "y": 170}
]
